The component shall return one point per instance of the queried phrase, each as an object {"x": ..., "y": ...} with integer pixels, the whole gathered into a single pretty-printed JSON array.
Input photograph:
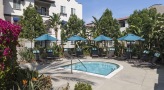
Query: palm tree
[
  {"x": 55, "y": 22},
  {"x": 96, "y": 30}
]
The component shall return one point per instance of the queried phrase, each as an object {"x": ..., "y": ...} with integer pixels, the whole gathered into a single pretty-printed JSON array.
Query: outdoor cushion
[
  {"x": 145, "y": 51},
  {"x": 156, "y": 54}
]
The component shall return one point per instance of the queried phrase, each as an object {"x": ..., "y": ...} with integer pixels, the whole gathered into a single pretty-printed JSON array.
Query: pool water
[{"x": 101, "y": 68}]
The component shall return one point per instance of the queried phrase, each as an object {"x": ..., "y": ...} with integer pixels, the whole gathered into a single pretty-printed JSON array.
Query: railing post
[{"x": 71, "y": 67}]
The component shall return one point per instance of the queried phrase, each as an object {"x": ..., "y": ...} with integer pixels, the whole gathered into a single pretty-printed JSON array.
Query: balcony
[
  {"x": 43, "y": 12},
  {"x": 63, "y": 14},
  {"x": 43, "y": 6}
]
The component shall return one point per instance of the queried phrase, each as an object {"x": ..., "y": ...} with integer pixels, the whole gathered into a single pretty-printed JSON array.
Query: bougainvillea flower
[
  {"x": 2, "y": 66},
  {"x": 6, "y": 52}
]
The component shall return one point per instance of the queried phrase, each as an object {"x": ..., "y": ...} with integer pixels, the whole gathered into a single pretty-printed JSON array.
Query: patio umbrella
[
  {"x": 102, "y": 38},
  {"x": 75, "y": 38},
  {"x": 45, "y": 37},
  {"x": 130, "y": 38}
]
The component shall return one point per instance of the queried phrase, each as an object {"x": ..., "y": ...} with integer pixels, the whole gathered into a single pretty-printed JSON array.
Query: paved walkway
[{"x": 129, "y": 78}]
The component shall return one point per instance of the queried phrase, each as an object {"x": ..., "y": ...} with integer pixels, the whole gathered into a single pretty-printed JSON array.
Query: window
[
  {"x": 63, "y": 9},
  {"x": 122, "y": 23},
  {"x": 43, "y": 11},
  {"x": 72, "y": 10},
  {"x": 72, "y": 43},
  {"x": 17, "y": 4}
]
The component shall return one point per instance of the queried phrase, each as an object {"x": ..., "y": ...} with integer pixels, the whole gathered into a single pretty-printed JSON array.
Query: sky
[{"x": 119, "y": 8}]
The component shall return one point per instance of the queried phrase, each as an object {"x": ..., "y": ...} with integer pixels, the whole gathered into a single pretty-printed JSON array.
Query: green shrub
[
  {"x": 82, "y": 86},
  {"x": 57, "y": 50},
  {"x": 26, "y": 79},
  {"x": 26, "y": 55},
  {"x": 66, "y": 88}
]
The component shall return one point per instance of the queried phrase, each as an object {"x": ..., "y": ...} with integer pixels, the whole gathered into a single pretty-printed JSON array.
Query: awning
[
  {"x": 16, "y": 19},
  {"x": 49, "y": 1},
  {"x": 64, "y": 22}
]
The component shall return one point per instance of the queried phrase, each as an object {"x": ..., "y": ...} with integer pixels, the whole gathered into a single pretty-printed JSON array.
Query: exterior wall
[
  {"x": 54, "y": 8},
  {"x": 1, "y": 9},
  {"x": 68, "y": 4},
  {"x": 9, "y": 11}
]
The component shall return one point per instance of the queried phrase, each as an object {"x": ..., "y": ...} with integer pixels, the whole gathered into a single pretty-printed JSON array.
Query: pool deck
[{"x": 129, "y": 78}]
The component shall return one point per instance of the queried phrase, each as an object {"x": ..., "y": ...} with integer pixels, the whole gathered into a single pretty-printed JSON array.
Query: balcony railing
[
  {"x": 63, "y": 14},
  {"x": 46, "y": 13}
]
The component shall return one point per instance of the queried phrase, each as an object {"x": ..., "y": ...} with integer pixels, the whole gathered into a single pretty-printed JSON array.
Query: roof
[
  {"x": 90, "y": 25},
  {"x": 49, "y": 1},
  {"x": 124, "y": 18},
  {"x": 159, "y": 8}
]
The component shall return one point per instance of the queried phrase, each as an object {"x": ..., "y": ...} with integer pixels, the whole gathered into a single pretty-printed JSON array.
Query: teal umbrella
[
  {"x": 130, "y": 37},
  {"x": 76, "y": 38},
  {"x": 46, "y": 37},
  {"x": 102, "y": 38}
]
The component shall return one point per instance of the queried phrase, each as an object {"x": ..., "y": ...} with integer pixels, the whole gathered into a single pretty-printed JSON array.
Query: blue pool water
[{"x": 101, "y": 68}]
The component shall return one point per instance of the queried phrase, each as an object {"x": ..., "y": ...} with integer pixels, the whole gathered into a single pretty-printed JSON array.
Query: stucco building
[{"x": 13, "y": 9}]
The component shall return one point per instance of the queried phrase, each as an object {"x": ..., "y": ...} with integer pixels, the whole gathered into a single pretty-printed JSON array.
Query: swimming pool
[{"x": 100, "y": 68}]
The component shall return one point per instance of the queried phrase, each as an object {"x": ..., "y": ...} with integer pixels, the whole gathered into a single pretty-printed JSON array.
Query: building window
[
  {"x": 42, "y": 11},
  {"x": 73, "y": 10},
  {"x": 17, "y": 4},
  {"x": 122, "y": 23},
  {"x": 63, "y": 11},
  {"x": 63, "y": 8}
]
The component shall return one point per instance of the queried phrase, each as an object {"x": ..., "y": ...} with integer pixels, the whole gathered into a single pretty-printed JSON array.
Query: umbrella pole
[
  {"x": 130, "y": 50},
  {"x": 45, "y": 43},
  {"x": 71, "y": 67}
]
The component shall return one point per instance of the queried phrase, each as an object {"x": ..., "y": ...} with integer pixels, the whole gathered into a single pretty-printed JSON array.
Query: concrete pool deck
[{"x": 129, "y": 78}]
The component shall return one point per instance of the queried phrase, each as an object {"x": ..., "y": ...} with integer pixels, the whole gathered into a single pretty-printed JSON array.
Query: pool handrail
[{"x": 83, "y": 64}]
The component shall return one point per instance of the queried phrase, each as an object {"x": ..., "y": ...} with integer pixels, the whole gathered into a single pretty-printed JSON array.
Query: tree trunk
[{"x": 31, "y": 45}]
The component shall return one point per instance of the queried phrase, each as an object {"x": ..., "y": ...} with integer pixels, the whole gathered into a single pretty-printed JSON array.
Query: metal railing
[{"x": 83, "y": 64}]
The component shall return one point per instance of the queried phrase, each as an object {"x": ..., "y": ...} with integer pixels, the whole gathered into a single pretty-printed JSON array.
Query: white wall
[
  {"x": 1, "y": 9},
  {"x": 68, "y": 4},
  {"x": 8, "y": 7}
]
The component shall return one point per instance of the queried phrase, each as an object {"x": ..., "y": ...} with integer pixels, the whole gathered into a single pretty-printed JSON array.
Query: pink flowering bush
[{"x": 8, "y": 40}]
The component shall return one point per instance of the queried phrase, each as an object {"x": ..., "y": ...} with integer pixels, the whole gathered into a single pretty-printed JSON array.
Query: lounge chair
[
  {"x": 79, "y": 53},
  {"x": 67, "y": 55},
  {"x": 129, "y": 53},
  {"x": 126, "y": 55},
  {"x": 152, "y": 63},
  {"x": 110, "y": 52},
  {"x": 51, "y": 56},
  {"x": 94, "y": 52},
  {"x": 102, "y": 52},
  {"x": 145, "y": 55}
]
